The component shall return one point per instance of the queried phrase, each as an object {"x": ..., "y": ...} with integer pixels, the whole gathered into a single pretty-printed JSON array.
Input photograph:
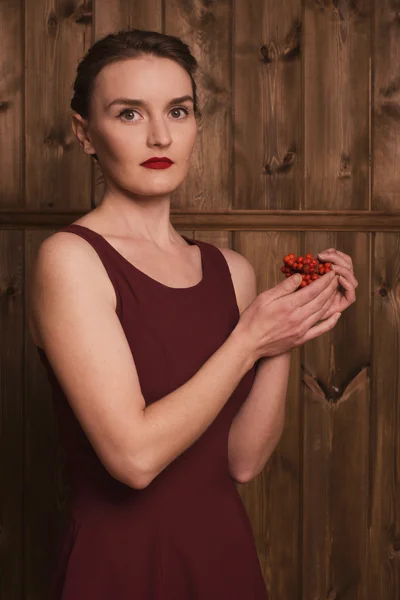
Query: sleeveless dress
[{"x": 186, "y": 536}]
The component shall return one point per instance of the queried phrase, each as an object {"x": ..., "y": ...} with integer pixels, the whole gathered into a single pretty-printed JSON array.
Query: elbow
[
  {"x": 242, "y": 479},
  {"x": 132, "y": 473}
]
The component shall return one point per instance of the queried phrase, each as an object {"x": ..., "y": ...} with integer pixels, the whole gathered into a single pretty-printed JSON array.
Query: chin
[{"x": 160, "y": 188}]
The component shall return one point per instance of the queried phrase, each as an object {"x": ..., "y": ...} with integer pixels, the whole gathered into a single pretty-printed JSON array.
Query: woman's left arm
[{"x": 258, "y": 425}]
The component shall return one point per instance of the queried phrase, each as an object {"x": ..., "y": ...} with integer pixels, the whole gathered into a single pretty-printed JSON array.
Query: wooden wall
[{"x": 299, "y": 151}]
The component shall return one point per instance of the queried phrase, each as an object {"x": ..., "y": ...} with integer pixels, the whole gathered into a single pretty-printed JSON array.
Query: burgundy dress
[{"x": 186, "y": 536}]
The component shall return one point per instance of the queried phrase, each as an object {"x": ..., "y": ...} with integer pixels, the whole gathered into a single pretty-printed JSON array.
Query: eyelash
[{"x": 186, "y": 111}]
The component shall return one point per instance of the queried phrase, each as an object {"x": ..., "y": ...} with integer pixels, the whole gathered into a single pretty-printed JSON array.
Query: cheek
[{"x": 188, "y": 143}]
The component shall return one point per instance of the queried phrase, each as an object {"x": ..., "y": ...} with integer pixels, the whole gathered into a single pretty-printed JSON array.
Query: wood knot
[
  {"x": 276, "y": 166},
  {"x": 82, "y": 14},
  {"x": 268, "y": 53},
  {"x": 52, "y": 24},
  {"x": 4, "y": 106},
  {"x": 394, "y": 549},
  {"x": 345, "y": 167},
  {"x": 292, "y": 47},
  {"x": 10, "y": 291},
  {"x": 383, "y": 292}
]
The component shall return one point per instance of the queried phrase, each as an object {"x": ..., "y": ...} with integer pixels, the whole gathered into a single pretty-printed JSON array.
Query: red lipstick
[{"x": 157, "y": 162}]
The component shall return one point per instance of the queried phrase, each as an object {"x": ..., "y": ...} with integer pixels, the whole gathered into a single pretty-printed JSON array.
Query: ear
[{"x": 79, "y": 127}]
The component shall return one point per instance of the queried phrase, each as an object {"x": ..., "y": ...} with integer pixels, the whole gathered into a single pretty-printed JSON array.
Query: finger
[
  {"x": 320, "y": 314},
  {"x": 349, "y": 292},
  {"x": 345, "y": 256},
  {"x": 315, "y": 305},
  {"x": 335, "y": 257},
  {"x": 348, "y": 275},
  {"x": 312, "y": 291},
  {"x": 319, "y": 329}
]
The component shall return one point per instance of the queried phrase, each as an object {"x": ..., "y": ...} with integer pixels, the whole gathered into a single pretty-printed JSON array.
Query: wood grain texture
[
  {"x": 386, "y": 105},
  {"x": 206, "y": 28},
  {"x": 11, "y": 104},
  {"x": 273, "y": 498},
  {"x": 336, "y": 100},
  {"x": 56, "y": 37},
  {"x": 11, "y": 415},
  {"x": 336, "y": 438},
  {"x": 231, "y": 220},
  {"x": 267, "y": 94},
  {"x": 384, "y": 505}
]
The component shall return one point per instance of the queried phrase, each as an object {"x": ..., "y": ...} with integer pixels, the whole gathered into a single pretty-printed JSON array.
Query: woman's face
[{"x": 125, "y": 134}]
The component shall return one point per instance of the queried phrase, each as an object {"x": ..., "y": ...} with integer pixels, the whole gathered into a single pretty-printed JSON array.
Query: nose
[{"x": 159, "y": 134}]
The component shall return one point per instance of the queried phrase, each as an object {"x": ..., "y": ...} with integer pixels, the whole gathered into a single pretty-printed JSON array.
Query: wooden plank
[
  {"x": 11, "y": 122},
  {"x": 386, "y": 106},
  {"x": 206, "y": 28},
  {"x": 336, "y": 438},
  {"x": 56, "y": 38},
  {"x": 268, "y": 129},
  {"x": 11, "y": 407},
  {"x": 233, "y": 220},
  {"x": 336, "y": 101},
  {"x": 272, "y": 499},
  {"x": 384, "y": 510}
]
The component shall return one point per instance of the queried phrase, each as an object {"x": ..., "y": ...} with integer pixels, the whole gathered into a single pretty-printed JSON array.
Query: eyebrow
[{"x": 138, "y": 102}]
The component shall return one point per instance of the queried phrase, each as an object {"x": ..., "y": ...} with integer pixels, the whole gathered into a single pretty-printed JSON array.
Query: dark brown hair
[{"x": 123, "y": 45}]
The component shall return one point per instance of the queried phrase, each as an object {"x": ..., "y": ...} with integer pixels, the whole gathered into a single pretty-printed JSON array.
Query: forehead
[{"x": 146, "y": 77}]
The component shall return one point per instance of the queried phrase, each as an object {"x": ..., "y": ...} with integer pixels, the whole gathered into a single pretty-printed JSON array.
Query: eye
[
  {"x": 126, "y": 110},
  {"x": 185, "y": 110},
  {"x": 132, "y": 110}
]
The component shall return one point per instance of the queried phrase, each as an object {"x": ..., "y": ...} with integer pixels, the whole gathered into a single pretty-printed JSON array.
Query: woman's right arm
[{"x": 90, "y": 356}]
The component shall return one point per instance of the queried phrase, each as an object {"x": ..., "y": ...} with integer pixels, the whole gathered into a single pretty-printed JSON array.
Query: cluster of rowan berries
[{"x": 310, "y": 268}]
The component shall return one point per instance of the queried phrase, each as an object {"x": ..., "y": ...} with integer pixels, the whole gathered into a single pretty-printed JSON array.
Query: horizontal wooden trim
[{"x": 232, "y": 220}]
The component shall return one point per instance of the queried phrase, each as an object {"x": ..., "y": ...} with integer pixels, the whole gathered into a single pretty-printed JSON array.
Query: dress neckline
[{"x": 190, "y": 241}]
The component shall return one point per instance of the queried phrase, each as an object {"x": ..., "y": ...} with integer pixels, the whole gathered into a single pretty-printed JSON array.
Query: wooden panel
[
  {"x": 12, "y": 414},
  {"x": 11, "y": 122},
  {"x": 336, "y": 100},
  {"x": 272, "y": 499},
  {"x": 56, "y": 38},
  {"x": 386, "y": 106},
  {"x": 336, "y": 426},
  {"x": 205, "y": 27},
  {"x": 111, "y": 16},
  {"x": 384, "y": 521},
  {"x": 233, "y": 220},
  {"x": 267, "y": 104}
]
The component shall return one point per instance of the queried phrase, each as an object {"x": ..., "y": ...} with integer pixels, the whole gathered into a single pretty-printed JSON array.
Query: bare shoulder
[
  {"x": 243, "y": 277},
  {"x": 72, "y": 249},
  {"x": 73, "y": 257}
]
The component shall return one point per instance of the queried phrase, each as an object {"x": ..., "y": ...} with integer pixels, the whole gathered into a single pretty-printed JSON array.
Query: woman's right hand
[{"x": 284, "y": 317}]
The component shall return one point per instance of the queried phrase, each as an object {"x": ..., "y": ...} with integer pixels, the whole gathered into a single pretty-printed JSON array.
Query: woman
[{"x": 151, "y": 342}]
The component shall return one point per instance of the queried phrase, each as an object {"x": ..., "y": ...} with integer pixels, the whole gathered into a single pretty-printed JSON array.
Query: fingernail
[{"x": 338, "y": 315}]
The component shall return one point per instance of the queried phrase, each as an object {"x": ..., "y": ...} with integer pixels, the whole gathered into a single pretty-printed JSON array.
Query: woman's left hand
[{"x": 343, "y": 266}]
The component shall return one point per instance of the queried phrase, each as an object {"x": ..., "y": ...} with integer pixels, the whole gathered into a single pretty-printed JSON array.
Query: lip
[
  {"x": 164, "y": 160},
  {"x": 157, "y": 165}
]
